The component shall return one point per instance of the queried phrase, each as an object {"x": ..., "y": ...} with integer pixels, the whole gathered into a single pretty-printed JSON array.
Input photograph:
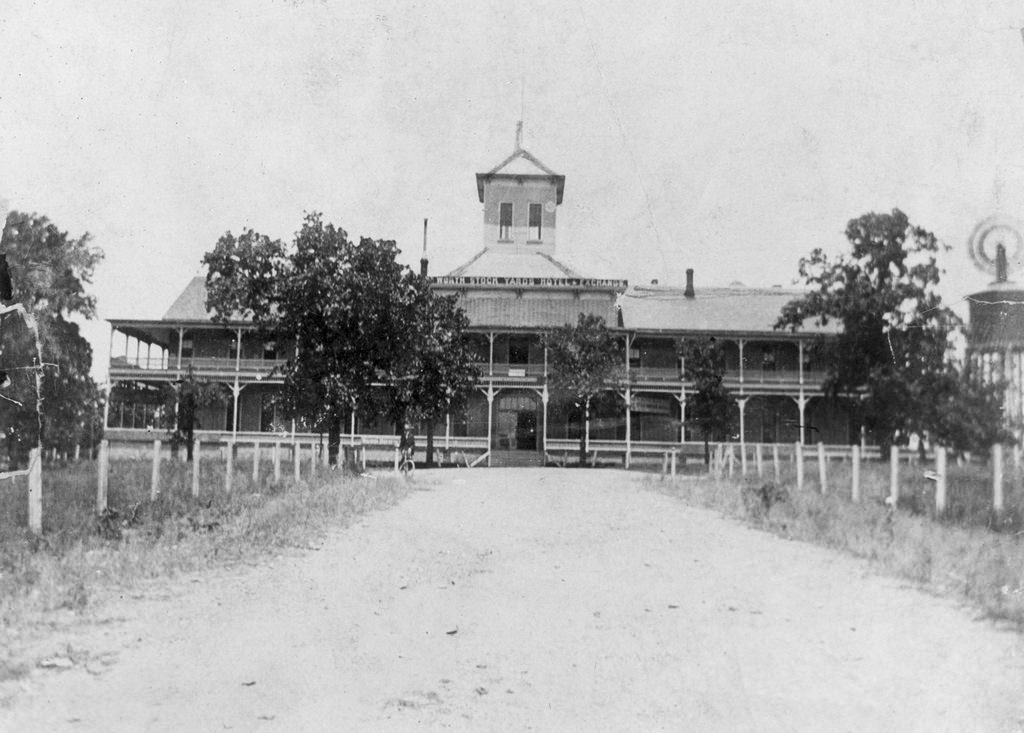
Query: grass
[
  {"x": 967, "y": 553},
  {"x": 78, "y": 559}
]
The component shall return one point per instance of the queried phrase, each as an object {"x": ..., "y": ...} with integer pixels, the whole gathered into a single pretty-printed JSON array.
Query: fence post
[
  {"x": 894, "y": 475},
  {"x": 997, "y": 479},
  {"x": 35, "y": 491},
  {"x": 396, "y": 460},
  {"x": 296, "y": 458},
  {"x": 256, "y": 463},
  {"x": 798, "y": 457},
  {"x": 675, "y": 455},
  {"x": 78, "y": 452},
  {"x": 103, "y": 473},
  {"x": 743, "y": 458},
  {"x": 940, "y": 480},
  {"x": 775, "y": 462},
  {"x": 312, "y": 461},
  {"x": 759, "y": 459},
  {"x": 229, "y": 470},
  {"x": 325, "y": 455},
  {"x": 1016, "y": 456},
  {"x": 664, "y": 465},
  {"x": 822, "y": 468},
  {"x": 196, "y": 454},
  {"x": 855, "y": 473},
  {"x": 362, "y": 454},
  {"x": 277, "y": 461},
  {"x": 731, "y": 461},
  {"x": 154, "y": 484}
]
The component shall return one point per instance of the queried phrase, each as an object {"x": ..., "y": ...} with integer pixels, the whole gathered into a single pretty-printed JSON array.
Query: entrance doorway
[{"x": 516, "y": 420}]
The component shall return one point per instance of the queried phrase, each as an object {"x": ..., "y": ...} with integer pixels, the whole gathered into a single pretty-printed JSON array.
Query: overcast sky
[{"x": 731, "y": 138}]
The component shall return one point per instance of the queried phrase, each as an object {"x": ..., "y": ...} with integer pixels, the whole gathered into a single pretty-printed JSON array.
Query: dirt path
[{"x": 532, "y": 599}]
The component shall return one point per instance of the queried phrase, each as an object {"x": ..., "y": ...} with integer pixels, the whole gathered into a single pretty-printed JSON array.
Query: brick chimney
[{"x": 689, "y": 283}]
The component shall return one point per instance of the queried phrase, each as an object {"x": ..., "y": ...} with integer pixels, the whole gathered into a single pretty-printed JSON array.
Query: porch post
[
  {"x": 740, "y": 343},
  {"x": 447, "y": 431},
  {"x": 234, "y": 415},
  {"x": 586, "y": 426},
  {"x": 801, "y": 405},
  {"x": 490, "y": 418},
  {"x": 490, "y": 359},
  {"x": 352, "y": 426},
  {"x": 544, "y": 396},
  {"x": 800, "y": 363},
  {"x": 629, "y": 415},
  {"x": 682, "y": 415},
  {"x": 743, "y": 438},
  {"x": 181, "y": 337}
]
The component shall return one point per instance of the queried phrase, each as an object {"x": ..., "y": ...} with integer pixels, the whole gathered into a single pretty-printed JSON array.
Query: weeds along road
[{"x": 550, "y": 600}]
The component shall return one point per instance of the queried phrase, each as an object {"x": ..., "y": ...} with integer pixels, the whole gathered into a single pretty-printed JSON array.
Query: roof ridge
[
  {"x": 462, "y": 268},
  {"x": 521, "y": 153},
  {"x": 569, "y": 272}
]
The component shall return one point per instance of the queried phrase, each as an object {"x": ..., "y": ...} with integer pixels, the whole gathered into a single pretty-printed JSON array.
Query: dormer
[{"x": 520, "y": 197}]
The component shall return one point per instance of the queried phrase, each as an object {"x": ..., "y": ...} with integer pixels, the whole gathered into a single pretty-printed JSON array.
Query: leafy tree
[
  {"x": 582, "y": 360},
  {"x": 356, "y": 316},
  {"x": 438, "y": 374},
  {"x": 182, "y": 401},
  {"x": 710, "y": 408},
  {"x": 896, "y": 341},
  {"x": 48, "y": 271}
]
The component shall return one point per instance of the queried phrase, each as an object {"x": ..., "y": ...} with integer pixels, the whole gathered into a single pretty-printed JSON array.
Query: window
[
  {"x": 535, "y": 223},
  {"x": 505, "y": 223},
  {"x": 187, "y": 347},
  {"x": 269, "y": 350},
  {"x": 519, "y": 350}
]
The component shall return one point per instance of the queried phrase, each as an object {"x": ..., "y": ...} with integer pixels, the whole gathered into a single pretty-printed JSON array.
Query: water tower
[{"x": 996, "y": 336}]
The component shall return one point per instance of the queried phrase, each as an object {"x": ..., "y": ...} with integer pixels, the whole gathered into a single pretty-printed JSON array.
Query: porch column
[
  {"x": 743, "y": 438},
  {"x": 682, "y": 415},
  {"x": 181, "y": 337},
  {"x": 544, "y": 396},
  {"x": 629, "y": 414},
  {"x": 490, "y": 418},
  {"x": 352, "y": 426},
  {"x": 490, "y": 359},
  {"x": 235, "y": 391},
  {"x": 740, "y": 343},
  {"x": 138, "y": 351},
  {"x": 447, "y": 431},
  {"x": 800, "y": 363},
  {"x": 149, "y": 355},
  {"x": 106, "y": 405},
  {"x": 801, "y": 404}
]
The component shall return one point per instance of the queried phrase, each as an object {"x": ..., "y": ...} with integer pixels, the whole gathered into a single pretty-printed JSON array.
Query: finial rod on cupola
[
  {"x": 1001, "y": 268},
  {"x": 423, "y": 257},
  {"x": 519, "y": 135}
]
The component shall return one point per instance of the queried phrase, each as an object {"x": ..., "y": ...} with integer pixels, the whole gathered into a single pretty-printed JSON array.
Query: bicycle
[{"x": 405, "y": 463}]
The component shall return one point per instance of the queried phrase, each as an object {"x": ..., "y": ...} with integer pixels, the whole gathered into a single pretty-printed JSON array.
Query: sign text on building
[{"x": 549, "y": 282}]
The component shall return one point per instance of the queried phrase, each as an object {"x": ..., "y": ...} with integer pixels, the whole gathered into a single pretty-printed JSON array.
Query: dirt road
[{"x": 533, "y": 599}]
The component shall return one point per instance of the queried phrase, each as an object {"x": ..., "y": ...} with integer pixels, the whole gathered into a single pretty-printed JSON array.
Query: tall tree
[
  {"x": 896, "y": 342},
  {"x": 356, "y": 318},
  {"x": 584, "y": 360},
  {"x": 710, "y": 408},
  {"x": 48, "y": 272}
]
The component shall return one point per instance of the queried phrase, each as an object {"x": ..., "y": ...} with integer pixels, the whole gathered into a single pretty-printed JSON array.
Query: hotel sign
[{"x": 533, "y": 282}]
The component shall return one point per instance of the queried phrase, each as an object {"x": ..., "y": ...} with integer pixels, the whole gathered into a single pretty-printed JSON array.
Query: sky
[{"x": 730, "y": 139}]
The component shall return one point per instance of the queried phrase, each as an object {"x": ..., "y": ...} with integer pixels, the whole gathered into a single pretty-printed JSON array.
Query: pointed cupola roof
[{"x": 521, "y": 164}]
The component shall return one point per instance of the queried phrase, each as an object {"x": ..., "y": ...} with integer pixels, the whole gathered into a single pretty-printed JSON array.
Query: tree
[
  {"x": 583, "y": 359},
  {"x": 182, "y": 401},
  {"x": 896, "y": 345},
  {"x": 709, "y": 405},
  {"x": 48, "y": 272},
  {"x": 439, "y": 373},
  {"x": 357, "y": 319}
]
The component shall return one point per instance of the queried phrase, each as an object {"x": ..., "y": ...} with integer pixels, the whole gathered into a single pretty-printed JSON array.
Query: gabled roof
[
  {"x": 191, "y": 304},
  {"x": 719, "y": 310},
  {"x": 491, "y": 262},
  {"x": 521, "y": 164}
]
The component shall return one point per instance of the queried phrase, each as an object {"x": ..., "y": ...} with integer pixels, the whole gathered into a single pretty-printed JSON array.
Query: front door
[{"x": 526, "y": 430}]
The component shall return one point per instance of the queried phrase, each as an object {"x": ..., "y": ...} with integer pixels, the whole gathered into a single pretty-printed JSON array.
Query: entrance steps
[{"x": 516, "y": 458}]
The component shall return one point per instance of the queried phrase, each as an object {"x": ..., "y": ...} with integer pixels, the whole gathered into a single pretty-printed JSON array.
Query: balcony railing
[
  {"x": 512, "y": 371},
  {"x": 200, "y": 364}
]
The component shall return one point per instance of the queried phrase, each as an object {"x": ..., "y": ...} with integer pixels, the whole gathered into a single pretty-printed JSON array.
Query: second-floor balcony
[{"x": 129, "y": 366}]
